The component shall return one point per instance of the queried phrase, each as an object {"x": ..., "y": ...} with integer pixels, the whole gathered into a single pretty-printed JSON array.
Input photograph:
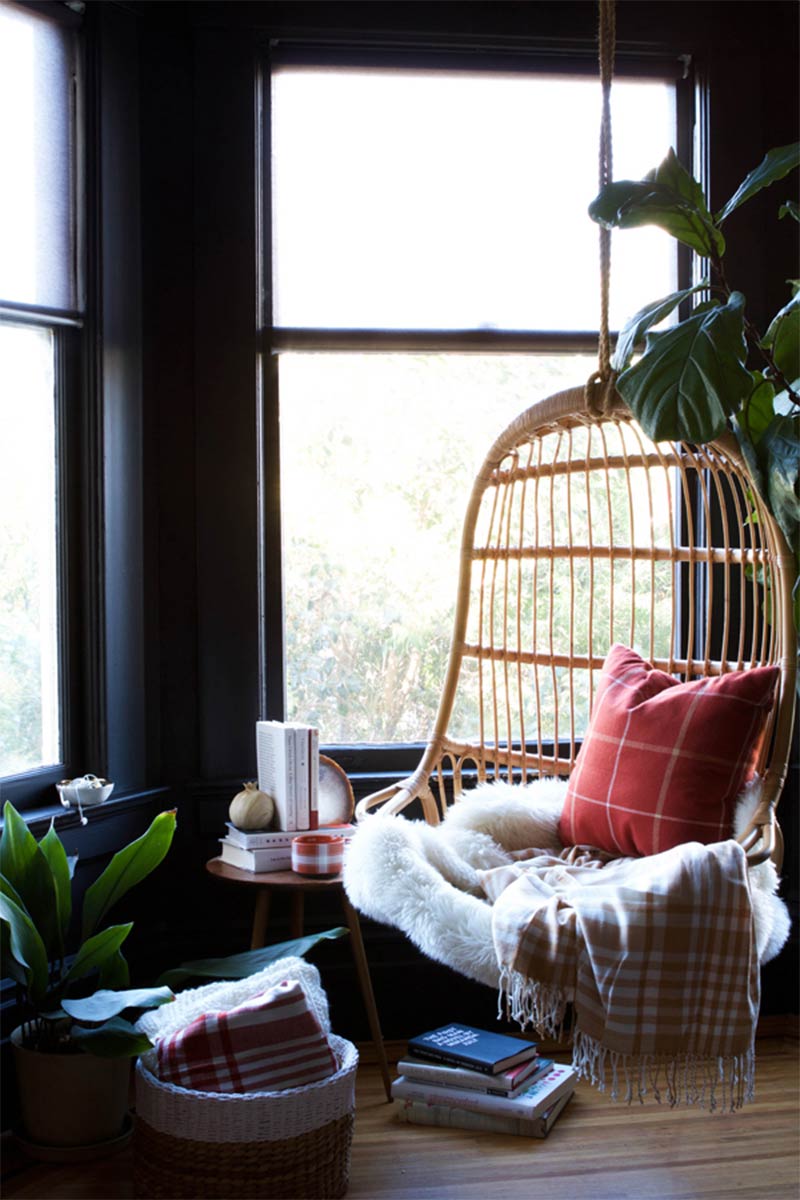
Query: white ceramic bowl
[{"x": 77, "y": 792}]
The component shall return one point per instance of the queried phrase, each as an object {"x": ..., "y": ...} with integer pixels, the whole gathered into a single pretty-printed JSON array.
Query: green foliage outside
[{"x": 379, "y": 454}]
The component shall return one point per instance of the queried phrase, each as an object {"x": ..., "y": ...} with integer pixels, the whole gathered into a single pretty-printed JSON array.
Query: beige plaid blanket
[{"x": 656, "y": 955}]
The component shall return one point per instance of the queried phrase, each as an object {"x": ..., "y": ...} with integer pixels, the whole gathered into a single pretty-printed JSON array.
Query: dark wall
[
  {"x": 200, "y": 319},
  {"x": 176, "y": 317}
]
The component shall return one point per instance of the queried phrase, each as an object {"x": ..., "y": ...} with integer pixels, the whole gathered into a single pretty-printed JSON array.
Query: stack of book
[
  {"x": 266, "y": 849},
  {"x": 468, "y": 1078},
  {"x": 288, "y": 770}
]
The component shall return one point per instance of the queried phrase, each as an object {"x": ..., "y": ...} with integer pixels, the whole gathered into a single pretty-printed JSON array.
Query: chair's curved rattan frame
[{"x": 744, "y": 543}]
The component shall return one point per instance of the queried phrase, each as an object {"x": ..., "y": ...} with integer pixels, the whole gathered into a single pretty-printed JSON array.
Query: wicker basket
[{"x": 289, "y": 1144}]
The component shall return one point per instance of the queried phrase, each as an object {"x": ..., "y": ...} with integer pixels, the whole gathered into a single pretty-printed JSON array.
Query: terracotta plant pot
[{"x": 70, "y": 1099}]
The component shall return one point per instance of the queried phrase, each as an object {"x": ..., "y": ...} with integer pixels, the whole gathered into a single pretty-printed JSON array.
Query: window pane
[
  {"x": 379, "y": 453},
  {"x": 446, "y": 200},
  {"x": 29, "y": 672},
  {"x": 36, "y": 144}
]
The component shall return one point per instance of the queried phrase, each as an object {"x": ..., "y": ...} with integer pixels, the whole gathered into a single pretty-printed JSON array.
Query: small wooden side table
[{"x": 296, "y": 886}]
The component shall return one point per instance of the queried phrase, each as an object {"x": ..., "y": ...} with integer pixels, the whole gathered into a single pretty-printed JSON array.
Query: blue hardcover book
[{"x": 478, "y": 1049}]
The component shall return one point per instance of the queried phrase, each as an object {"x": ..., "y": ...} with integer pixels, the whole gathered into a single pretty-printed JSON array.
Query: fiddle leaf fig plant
[
  {"x": 713, "y": 370},
  {"x": 36, "y": 881}
]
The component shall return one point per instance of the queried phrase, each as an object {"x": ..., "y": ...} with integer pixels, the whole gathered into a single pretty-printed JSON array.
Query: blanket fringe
[
  {"x": 724, "y": 1083},
  {"x": 530, "y": 1003}
]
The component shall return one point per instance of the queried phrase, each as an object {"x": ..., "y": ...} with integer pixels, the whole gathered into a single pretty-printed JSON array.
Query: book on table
[
  {"x": 529, "y": 1104},
  {"x": 449, "y": 1116},
  {"x": 259, "y": 839},
  {"x": 505, "y": 1083},
  {"x": 288, "y": 770},
  {"x": 478, "y": 1049},
  {"x": 259, "y": 860}
]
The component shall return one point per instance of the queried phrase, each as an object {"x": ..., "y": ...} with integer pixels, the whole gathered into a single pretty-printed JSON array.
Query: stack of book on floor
[
  {"x": 267, "y": 849},
  {"x": 470, "y": 1078}
]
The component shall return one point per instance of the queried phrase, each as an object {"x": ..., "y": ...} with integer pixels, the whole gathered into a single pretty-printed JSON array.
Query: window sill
[{"x": 39, "y": 817}]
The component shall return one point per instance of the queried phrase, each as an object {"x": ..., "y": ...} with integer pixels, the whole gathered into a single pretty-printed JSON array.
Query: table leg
[
  {"x": 260, "y": 919},
  {"x": 367, "y": 994},
  {"x": 296, "y": 915}
]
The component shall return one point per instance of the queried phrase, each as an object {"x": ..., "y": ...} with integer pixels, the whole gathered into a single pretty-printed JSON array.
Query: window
[
  {"x": 434, "y": 272},
  {"x": 39, "y": 323}
]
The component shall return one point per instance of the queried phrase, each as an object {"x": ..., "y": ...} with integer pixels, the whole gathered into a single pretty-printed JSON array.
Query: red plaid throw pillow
[
  {"x": 272, "y": 1042},
  {"x": 663, "y": 761}
]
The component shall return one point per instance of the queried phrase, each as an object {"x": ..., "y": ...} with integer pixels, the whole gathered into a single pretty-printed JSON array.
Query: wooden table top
[{"x": 286, "y": 880}]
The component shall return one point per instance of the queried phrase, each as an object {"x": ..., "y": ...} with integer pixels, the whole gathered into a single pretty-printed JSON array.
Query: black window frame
[
  {"x": 32, "y": 789},
  {"x": 373, "y": 764}
]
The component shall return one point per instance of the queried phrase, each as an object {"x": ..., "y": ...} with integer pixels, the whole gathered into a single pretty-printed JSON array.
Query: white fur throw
[{"x": 423, "y": 879}]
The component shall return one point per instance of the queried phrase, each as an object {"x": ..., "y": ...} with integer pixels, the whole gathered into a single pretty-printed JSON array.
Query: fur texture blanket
[{"x": 426, "y": 880}]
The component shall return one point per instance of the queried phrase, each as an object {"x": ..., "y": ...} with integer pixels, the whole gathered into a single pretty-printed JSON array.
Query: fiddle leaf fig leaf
[
  {"x": 758, "y": 410},
  {"x": 774, "y": 166},
  {"x": 671, "y": 173},
  {"x": 779, "y": 457},
  {"x": 627, "y": 204},
  {"x": 783, "y": 338},
  {"x": 668, "y": 196},
  {"x": 790, "y": 209},
  {"x": 691, "y": 378},
  {"x": 635, "y": 329}
]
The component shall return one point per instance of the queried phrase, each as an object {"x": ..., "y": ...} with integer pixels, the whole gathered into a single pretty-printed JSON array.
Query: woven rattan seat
[{"x": 581, "y": 532}]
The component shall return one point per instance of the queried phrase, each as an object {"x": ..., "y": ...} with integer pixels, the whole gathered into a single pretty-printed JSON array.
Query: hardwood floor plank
[{"x": 598, "y": 1150}]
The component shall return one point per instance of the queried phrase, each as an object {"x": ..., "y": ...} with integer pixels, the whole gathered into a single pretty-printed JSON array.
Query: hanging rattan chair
[{"x": 579, "y": 532}]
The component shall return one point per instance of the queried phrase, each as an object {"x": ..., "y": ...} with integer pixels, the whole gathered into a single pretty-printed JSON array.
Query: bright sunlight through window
[{"x": 424, "y": 201}]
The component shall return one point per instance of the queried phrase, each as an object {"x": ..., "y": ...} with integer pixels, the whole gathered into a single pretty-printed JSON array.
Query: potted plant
[
  {"x": 72, "y": 1051},
  {"x": 713, "y": 369}
]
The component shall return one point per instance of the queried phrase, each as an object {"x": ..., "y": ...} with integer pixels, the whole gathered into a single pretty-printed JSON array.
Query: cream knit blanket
[{"x": 657, "y": 957}]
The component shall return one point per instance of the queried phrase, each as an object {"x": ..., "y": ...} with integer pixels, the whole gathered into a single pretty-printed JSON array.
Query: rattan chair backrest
[{"x": 581, "y": 532}]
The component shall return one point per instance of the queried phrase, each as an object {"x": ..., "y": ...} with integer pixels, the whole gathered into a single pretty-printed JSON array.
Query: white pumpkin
[{"x": 251, "y": 808}]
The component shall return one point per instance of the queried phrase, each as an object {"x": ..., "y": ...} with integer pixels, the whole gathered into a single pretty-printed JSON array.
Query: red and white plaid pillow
[
  {"x": 663, "y": 761},
  {"x": 272, "y": 1042}
]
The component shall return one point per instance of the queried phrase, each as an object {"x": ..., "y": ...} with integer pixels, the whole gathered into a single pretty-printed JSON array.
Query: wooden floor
[{"x": 597, "y": 1151}]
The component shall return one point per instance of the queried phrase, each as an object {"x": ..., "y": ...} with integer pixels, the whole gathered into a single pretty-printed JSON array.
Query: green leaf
[
  {"x": 748, "y": 449},
  {"x": 95, "y": 950},
  {"x": 626, "y": 204},
  {"x": 668, "y": 196},
  {"x": 104, "y": 1004},
  {"x": 775, "y": 165},
  {"x": 779, "y": 457},
  {"x": 26, "y": 868},
  {"x": 790, "y": 209},
  {"x": 127, "y": 868},
  {"x": 783, "y": 338},
  {"x": 114, "y": 972},
  {"x": 692, "y": 377},
  {"x": 239, "y": 966},
  {"x": 672, "y": 174},
  {"x": 635, "y": 329},
  {"x": 758, "y": 410},
  {"x": 53, "y": 850},
  {"x": 783, "y": 401},
  {"x": 117, "y": 1038},
  {"x": 26, "y": 946}
]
